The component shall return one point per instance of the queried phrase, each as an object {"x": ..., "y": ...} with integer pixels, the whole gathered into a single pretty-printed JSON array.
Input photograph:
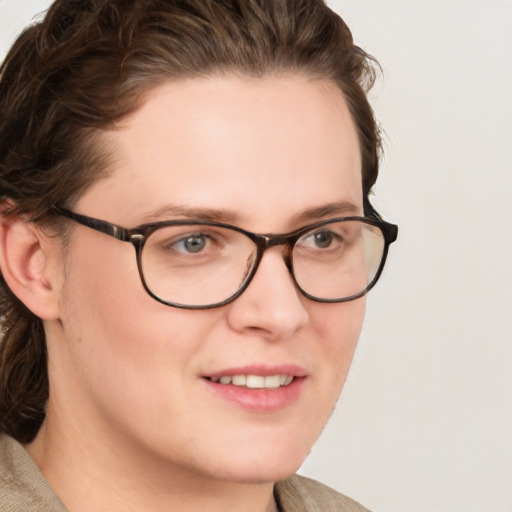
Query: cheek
[
  {"x": 105, "y": 312},
  {"x": 119, "y": 327},
  {"x": 341, "y": 322},
  {"x": 124, "y": 351},
  {"x": 339, "y": 327}
]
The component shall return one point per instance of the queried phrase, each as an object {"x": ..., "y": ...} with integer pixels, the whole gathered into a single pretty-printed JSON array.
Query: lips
[{"x": 260, "y": 389}]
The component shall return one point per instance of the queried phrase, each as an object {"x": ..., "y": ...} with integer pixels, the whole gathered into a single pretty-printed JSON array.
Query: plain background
[{"x": 425, "y": 421}]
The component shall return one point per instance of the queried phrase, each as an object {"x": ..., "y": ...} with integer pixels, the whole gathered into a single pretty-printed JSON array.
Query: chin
[
  {"x": 262, "y": 466},
  {"x": 269, "y": 474}
]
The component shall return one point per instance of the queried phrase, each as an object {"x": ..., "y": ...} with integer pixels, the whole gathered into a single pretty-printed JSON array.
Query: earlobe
[{"x": 24, "y": 253}]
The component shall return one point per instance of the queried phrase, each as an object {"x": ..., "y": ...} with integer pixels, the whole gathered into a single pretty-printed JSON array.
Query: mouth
[
  {"x": 259, "y": 388},
  {"x": 254, "y": 381}
]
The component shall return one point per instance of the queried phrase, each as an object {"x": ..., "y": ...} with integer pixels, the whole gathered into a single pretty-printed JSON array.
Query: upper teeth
[{"x": 255, "y": 381}]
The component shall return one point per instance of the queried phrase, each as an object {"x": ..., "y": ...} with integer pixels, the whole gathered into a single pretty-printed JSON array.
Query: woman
[{"x": 232, "y": 145}]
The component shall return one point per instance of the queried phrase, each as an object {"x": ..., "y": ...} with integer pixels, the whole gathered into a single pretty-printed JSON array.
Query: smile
[
  {"x": 258, "y": 388},
  {"x": 254, "y": 381}
]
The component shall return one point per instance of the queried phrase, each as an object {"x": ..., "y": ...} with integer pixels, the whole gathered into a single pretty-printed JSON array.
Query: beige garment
[
  {"x": 23, "y": 488},
  {"x": 299, "y": 494}
]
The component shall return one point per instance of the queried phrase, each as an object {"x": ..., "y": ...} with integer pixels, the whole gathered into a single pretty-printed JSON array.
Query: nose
[{"x": 271, "y": 306}]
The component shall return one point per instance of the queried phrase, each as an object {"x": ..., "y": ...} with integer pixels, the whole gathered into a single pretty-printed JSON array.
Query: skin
[{"x": 128, "y": 398}]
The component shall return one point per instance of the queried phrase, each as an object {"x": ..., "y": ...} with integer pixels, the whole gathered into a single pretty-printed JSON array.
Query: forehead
[{"x": 252, "y": 147}]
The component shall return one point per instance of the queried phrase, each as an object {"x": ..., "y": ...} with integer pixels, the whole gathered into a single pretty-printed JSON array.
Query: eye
[
  {"x": 319, "y": 239},
  {"x": 322, "y": 239},
  {"x": 191, "y": 244}
]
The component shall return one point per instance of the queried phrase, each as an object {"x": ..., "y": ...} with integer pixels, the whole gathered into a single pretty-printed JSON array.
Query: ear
[{"x": 24, "y": 261}]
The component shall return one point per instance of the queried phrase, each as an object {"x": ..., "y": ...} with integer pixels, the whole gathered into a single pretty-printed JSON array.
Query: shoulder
[
  {"x": 300, "y": 494},
  {"x": 23, "y": 488}
]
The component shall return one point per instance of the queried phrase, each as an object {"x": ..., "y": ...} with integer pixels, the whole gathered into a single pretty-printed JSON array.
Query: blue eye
[{"x": 192, "y": 244}]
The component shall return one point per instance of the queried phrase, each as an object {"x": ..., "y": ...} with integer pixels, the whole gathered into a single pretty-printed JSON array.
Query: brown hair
[{"x": 85, "y": 65}]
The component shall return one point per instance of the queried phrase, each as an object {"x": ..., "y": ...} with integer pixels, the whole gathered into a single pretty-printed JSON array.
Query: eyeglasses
[{"x": 200, "y": 264}]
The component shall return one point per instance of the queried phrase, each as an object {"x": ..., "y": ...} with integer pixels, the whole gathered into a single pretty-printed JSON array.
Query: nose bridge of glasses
[
  {"x": 269, "y": 240},
  {"x": 272, "y": 240}
]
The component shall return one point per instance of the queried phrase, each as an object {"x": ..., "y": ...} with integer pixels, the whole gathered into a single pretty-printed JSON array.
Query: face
[{"x": 268, "y": 155}]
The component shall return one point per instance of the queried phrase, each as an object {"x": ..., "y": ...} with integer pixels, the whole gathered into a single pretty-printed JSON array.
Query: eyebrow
[
  {"x": 184, "y": 212},
  {"x": 338, "y": 208}
]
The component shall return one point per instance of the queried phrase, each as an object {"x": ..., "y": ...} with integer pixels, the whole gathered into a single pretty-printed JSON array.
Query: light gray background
[{"x": 425, "y": 421}]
